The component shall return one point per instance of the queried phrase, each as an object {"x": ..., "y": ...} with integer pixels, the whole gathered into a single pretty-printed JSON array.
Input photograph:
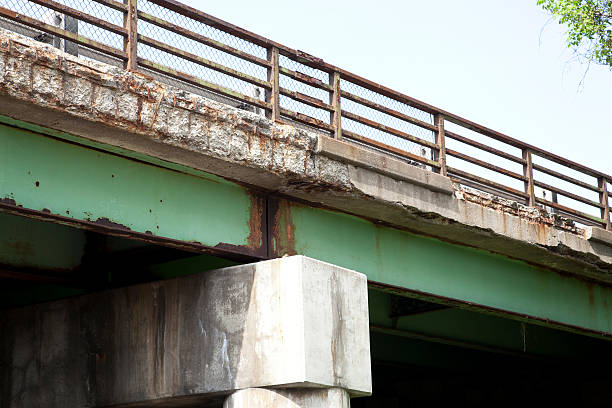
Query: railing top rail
[
  {"x": 318, "y": 63},
  {"x": 522, "y": 145}
]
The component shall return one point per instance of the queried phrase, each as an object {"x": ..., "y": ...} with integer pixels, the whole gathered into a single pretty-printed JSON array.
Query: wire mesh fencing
[
  {"x": 301, "y": 92},
  {"x": 49, "y": 13},
  {"x": 186, "y": 42},
  {"x": 385, "y": 120}
]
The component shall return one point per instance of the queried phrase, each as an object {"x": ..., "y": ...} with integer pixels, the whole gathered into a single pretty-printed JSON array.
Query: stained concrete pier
[{"x": 294, "y": 325}]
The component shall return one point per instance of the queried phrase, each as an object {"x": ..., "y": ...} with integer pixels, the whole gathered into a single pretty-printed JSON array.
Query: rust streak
[
  {"x": 8, "y": 201},
  {"x": 256, "y": 243},
  {"x": 282, "y": 235},
  {"x": 108, "y": 223},
  {"x": 256, "y": 222},
  {"x": 304, "y": 56}
]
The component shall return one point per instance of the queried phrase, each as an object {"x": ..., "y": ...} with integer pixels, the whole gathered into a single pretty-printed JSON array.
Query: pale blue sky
[{"x": 494, "y": 62}]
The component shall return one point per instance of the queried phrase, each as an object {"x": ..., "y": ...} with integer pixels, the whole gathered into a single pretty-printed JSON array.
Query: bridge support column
[{"x": 294, "y": 325}]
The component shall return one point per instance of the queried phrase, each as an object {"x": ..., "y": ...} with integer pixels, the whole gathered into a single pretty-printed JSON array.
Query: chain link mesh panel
[
  {"x": 459, "y": 164},
  {"x": 304, "y": 69},
  {"x": 553, "y": 181},
  {"x": 194, "y": 47},
  {"x": 293, "y": 85},
  {"x": 102, "y": 12},
  {"x": 205, "y": 30},
  {"x": 57, "y": 19},
  {"x": 199, "y": 71},
  {"x": 386, "y": 120}
]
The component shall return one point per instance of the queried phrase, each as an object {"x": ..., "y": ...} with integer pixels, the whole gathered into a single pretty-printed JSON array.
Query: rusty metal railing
[{"x": 190, "y": 48}]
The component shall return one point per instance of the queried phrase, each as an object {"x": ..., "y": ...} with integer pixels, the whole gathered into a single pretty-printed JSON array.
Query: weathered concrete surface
[
  {"x": 288, "y": 322},
  {"x": 383, "y": 164},
  {"x": 99, "y": 103},
  {"x": 599, "y": 235},
  {"x": 265, "y": 398}
]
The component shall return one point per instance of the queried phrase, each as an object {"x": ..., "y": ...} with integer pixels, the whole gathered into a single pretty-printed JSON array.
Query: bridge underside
[
  {"x": 59, "y": 178},
  {"x": 78, "y": 218},
  {"x": 421, "y": 352}
]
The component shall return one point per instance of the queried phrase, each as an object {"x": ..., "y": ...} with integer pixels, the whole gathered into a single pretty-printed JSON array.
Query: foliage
[{"x": 589, "y": 26}]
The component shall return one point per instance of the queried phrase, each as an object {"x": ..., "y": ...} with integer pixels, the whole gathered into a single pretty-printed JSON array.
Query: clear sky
[{"x": 500, "y": 63}]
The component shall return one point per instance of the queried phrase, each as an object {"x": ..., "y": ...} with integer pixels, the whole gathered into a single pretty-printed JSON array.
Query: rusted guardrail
[{"x": 183, "y": 44}]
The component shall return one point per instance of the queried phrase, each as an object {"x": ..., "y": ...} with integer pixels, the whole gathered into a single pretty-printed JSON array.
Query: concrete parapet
[
  {"x": 383, "y": 164},
  {"x": 289, "y": 322}
]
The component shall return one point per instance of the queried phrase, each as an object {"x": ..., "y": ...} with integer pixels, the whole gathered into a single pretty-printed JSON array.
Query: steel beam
[
  {"x": 49, "y": 178},
  {"x": 442, "y": 272}
]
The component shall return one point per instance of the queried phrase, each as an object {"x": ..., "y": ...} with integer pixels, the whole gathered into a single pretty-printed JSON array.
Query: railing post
[
  {"x": 130, "y": 43},
  {"x": 603, "y": 199},
  {"x": 273, "y": 74},
  {"x": 440, "y": 154},
  {"x": 335, "y": 117},
  {"x": 528, "y": 174}
]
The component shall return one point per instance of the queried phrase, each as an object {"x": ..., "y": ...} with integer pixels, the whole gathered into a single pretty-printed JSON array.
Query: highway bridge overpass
[{"x": 161, "y": 247}]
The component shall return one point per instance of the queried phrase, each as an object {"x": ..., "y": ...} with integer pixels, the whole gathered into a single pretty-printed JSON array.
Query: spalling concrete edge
[
  {"x": 598, "y": 235},
  {"x": 105, "y": 104}
]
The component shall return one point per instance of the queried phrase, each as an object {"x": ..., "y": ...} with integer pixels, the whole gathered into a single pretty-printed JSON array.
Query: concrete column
[
  {"x": 288, "y": 398},
  {"x": 287, "y": 323}
]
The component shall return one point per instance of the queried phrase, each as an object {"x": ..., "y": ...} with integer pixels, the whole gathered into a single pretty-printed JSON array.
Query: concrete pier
[{"x": 292, "y": 323}]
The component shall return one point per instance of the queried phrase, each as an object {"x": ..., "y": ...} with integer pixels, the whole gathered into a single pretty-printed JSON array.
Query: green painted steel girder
[
  {"x": 79, "y": 181},
  {"x": 483, "y": 332},
  {"x": 440, "y": 271},
  {"x": 101, "y": 189}
]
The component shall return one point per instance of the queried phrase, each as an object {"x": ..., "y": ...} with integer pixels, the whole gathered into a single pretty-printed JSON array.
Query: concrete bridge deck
[{"x": 99, "y": 162}]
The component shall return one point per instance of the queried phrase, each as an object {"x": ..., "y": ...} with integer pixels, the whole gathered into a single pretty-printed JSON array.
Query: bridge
[{"x": 195, "y": 215}]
